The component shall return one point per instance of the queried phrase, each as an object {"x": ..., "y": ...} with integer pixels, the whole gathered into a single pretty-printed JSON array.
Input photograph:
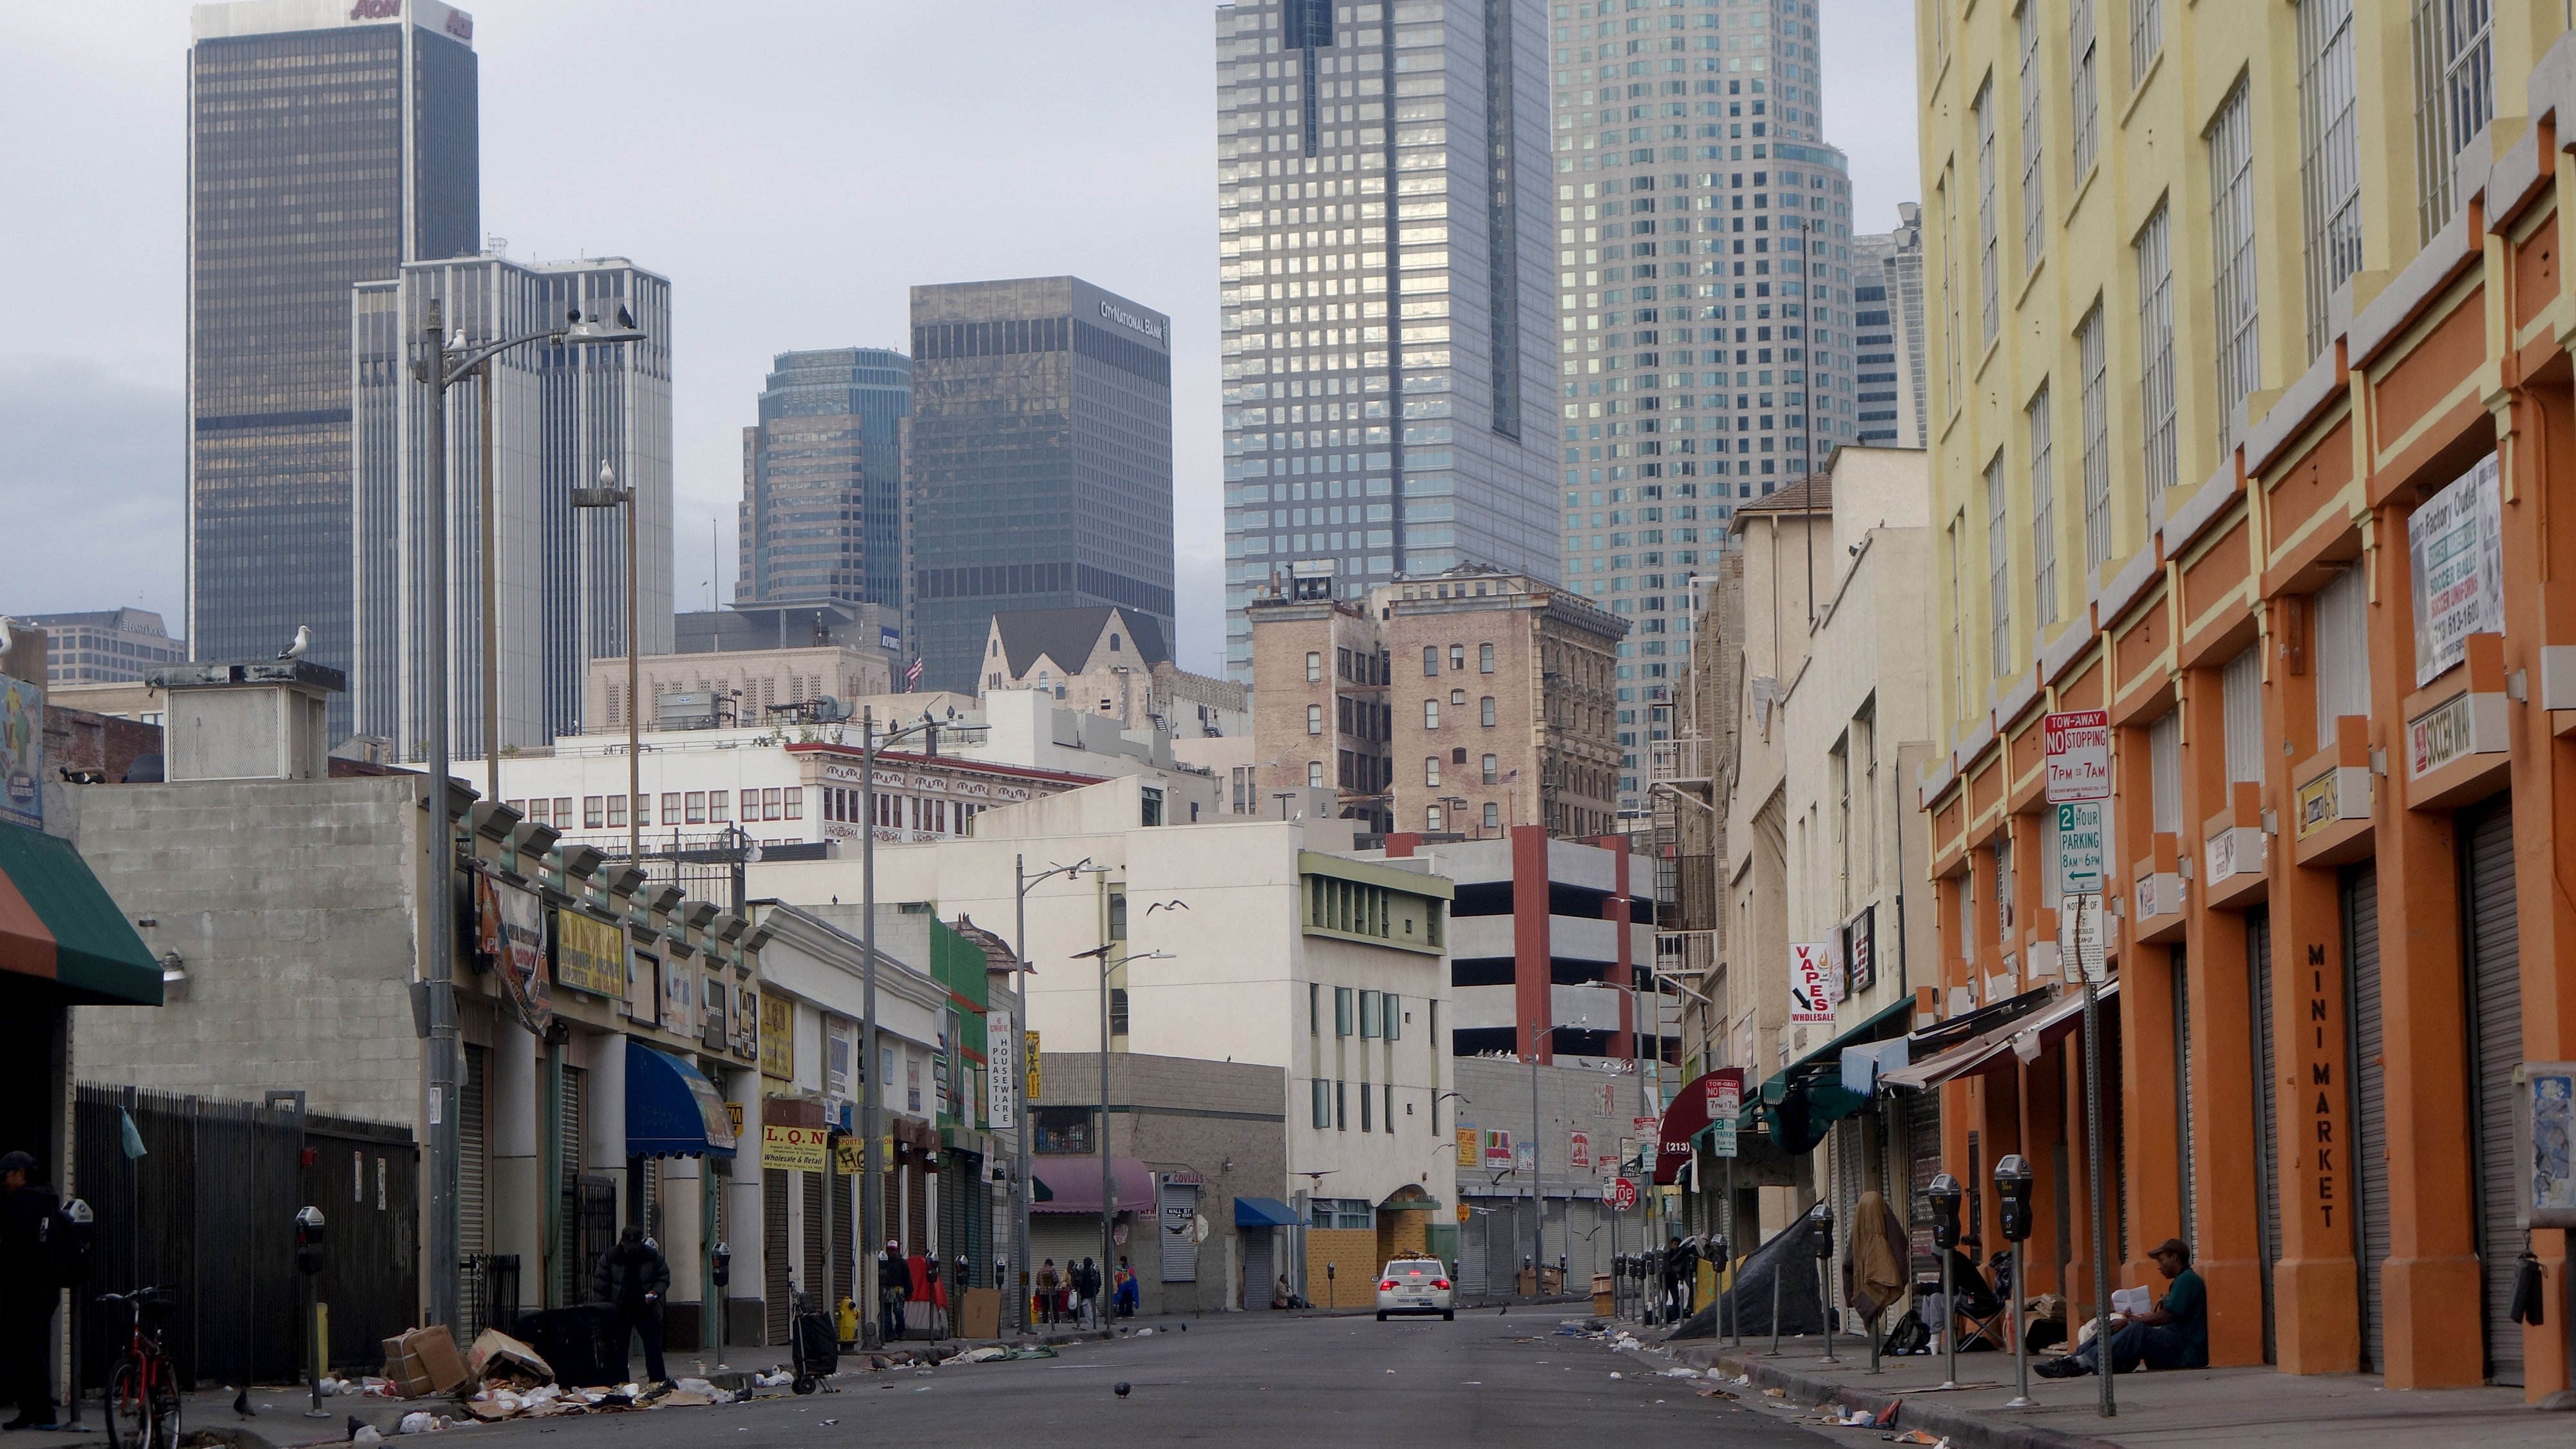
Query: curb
[{"x": 1965, "y": 1430}]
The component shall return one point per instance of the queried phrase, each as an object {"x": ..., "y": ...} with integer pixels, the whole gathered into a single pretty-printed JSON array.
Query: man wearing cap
[
  {"x": 894, "y": 1286},
  {"x": 28, "y": 1293},
  {"x": 2173, "y": 1335}
]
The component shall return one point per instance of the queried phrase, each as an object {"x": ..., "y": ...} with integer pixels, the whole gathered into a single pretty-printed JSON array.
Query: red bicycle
[{"x": 143, "y": 1387}]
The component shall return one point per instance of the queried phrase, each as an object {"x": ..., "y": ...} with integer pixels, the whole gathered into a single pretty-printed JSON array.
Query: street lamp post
[
  {"x": 1108, "y": 1200},
  {"x": 871, "y": 1098},
  {"x": 608, "y": 495},
  {"x": 1022, "y": 883},
  {"x": 436, "y": 371}
]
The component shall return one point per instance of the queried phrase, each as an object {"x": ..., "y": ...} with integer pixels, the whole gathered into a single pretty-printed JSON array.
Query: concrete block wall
[{"x": 292, "y": 905}]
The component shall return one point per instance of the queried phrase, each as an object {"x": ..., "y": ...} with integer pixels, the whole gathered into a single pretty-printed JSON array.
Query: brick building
[{"x": 1465, "y": 703}]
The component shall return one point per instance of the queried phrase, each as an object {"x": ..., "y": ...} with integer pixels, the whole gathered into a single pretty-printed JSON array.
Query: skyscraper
[
  {"x": 559, "y": 574},
  {"x": 822, "y": 480},
  {"x": 1704, "y": 271},
  {"x": 1386, "y": 395},
  {"x": 328, "y": 144},
  {"x": 1041, "y": 460},
  {"x": 1887, "y": 322}
]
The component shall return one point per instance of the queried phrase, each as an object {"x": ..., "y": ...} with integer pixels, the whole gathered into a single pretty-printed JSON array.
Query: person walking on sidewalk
[
  {"x": 2172, "y": 1335},
  {"x": 635, "y": 1277},
  {"x": 1050, "y": 1291},
  {"x": 28, "y": 1291},
  {"x": 1086, "y": 1281},
  {"x": 1126, "y": 1293},
  {"x": 894, "y": 1286}
]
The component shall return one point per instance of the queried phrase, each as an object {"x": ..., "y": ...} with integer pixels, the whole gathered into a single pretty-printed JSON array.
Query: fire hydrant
[{"x": 848, "y": 1327}]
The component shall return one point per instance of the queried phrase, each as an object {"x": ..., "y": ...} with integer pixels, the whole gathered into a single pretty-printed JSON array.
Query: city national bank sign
[{"x": 1133, "y": 323}]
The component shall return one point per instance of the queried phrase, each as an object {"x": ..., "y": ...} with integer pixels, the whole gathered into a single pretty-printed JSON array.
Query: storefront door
[
  {"x": 2495, "y": 1049},
  {"x": 2369, "y": 1100}
]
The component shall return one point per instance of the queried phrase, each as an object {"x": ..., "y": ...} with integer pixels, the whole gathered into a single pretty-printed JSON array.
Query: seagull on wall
[
  {"x": 303, "y": 642},
  {"x": 8, "y": 641}
]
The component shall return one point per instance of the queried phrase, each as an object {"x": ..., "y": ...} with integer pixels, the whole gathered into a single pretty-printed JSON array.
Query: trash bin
[
  {"x": 1601, "y": 1295},
  {"x": 584, "y": 1345}
]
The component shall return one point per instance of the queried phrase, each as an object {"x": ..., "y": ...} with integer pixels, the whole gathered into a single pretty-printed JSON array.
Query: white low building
[{"x": 1251, "y": 941}]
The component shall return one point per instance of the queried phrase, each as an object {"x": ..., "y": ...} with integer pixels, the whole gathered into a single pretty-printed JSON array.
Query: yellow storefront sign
[
  {"x": 795, "y": 1149},
  {"x": 848, "y": 1157},
  {"x": 590, "y": 954},
  {"x": 777, "y": 1037},
  {"x": 1032, "y": 1073},
  {"x": 1471, "y": 1150}
]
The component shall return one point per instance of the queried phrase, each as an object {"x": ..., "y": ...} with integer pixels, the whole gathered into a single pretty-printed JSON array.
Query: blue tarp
[
  {"x": 1263, "y": 1212},
  {"x": 672, "y": 1110}
]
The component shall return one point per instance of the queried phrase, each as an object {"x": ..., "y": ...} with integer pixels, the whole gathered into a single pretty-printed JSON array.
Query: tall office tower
[
  {"x": 822, "y": 480},
  {"x": 1887, "y": 327},
  {"x": 1703, "y": 251},
  {"x": 558, "y": 573},
  {"x": 1041, "y": 460},
  {"x": 110, "y": 646},
  {"x": 1386, "y": 396},
  {"x": 328, "y": 144}
]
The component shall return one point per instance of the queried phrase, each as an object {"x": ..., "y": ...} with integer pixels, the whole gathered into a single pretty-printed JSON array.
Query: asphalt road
[{"x": 1263, "y": 1380}]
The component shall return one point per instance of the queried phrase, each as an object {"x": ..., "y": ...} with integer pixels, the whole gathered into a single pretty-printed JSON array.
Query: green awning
[
  {"x": 58, "y": 924},
  {"x": 1800, "y": 1102}
]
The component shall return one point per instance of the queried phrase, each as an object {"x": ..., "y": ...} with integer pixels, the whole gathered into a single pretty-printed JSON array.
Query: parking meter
[
  {"x": 724, "y": 1263},
  {"x": 308, "y": 1240},
  {"x": 1820, "y": 1242},
  {"x": 1945, "y": 1196},
  {"x": 2012, "y": 1188}
]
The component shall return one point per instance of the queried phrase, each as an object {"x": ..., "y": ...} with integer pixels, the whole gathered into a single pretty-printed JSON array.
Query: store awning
[
  {"x": 672, "y": 1110},
  {"x": 1263, "y": 1212},
  {"x": 58, "y": 924},
  {"x": 1802, "y": 1101},
  {"x": 1993, "y": 1049},
  {"x": 1685, "y": 1118},
  {"x": 1072, "y": 1185}
]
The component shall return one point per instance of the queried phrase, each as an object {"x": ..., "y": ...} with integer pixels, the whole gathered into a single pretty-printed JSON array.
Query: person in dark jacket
[
  {"x": 894, "y": 1288},
  {"x": 634, "y": 1277},
  {"x": 27, "y": 1293}
]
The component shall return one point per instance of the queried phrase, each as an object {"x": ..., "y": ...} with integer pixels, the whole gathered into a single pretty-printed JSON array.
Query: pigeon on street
[{"x": 241, "y": 1405}]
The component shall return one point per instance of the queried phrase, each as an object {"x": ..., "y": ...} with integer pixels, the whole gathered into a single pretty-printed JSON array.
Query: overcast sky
[{"x": 792, "y": 167}]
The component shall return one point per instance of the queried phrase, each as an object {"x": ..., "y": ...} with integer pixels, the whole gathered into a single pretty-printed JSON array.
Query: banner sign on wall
[
  {"x": 1811, "y": 975},
  {"x": 2455, "y": 553},
  {"x": 796, "y": 1149},
  {"x": 510, "y": 934},
  {"x": 1001, "y": 1077},
  {"x": 22, "y": 753},
  {"x": 590, "y": 954}
]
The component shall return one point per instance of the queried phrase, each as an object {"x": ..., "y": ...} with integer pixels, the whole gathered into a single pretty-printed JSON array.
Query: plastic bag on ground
[{"x": 418, "y": 1422}]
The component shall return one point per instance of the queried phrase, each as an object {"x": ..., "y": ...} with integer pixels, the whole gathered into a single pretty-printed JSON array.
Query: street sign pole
[{"x": 2078, "y": 755}]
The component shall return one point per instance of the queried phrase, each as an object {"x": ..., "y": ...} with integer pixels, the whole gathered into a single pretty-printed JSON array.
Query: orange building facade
[{"x": 2341, "y": 676}]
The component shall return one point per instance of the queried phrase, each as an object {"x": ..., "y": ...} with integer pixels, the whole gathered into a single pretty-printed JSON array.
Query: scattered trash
[
  {"x": 696, "y": 1386},
  {"x": 828, "y": 1423},
  {"x": 1707, "y": 1393},
  {"x": 1681, "y": 1373},
  {"x": 1144, "y": 1333},
  {"x": 779, "y": 1380},
  {"x": 366, "y": 1435},
  {"x": 1914, "y": 1436},
  {"x": 1775, "y": 1393},
  {"x": 1614, "y": 1373}
]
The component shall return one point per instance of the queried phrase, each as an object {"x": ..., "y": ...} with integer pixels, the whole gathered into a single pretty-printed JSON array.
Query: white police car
[{"x": 1415, "y": 1286}]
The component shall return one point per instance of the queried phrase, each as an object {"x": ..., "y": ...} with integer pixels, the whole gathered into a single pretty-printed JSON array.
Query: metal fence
[{"x": 209, "y": 1209}]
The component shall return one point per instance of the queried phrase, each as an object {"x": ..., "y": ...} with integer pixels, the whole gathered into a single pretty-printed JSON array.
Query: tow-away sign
[{"x": 2078, "y": 746}]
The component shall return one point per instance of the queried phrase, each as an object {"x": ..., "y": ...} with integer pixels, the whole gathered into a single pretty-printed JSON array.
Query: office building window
[
  {"x": 2093, "y": 360},
  {"x": 1989, "y": 256},
  {"x": 594, "y": 812},
  {"x": 1314, "y": 719},
  {"x": 1998, "y": 568},
  {"x": 2146, "y": 37},
  {"x": 1314, "y": 667},
  {"x": 2231, "y": 234},
  {"x": 2329, "y": 155},
  {"x": 2454, "y": 97},
  {"x": 2083, "y": 71},
  {"x": 1485, "y": 712},
  {"x": 2155, "y": 359},
  {"x": 2043, "y": 516},
  {"x": 2034, "y": 186},
  {"x": 1431, "y": 770}
]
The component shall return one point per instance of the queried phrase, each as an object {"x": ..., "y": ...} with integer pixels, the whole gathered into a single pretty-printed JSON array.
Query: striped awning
[{"x": 58, "y": 925}]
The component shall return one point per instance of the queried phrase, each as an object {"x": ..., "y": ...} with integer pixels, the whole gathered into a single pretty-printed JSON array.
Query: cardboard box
[
  {"x": 409, "y": 1378},
  {"x": 495, "y": 1351},
  {"x": 435, "y": 1348}
]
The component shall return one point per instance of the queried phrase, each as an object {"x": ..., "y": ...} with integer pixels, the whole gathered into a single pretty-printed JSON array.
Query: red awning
[
  {"x": 1685, "y": 1119},
  {"x": 1073, "y": 1185}
]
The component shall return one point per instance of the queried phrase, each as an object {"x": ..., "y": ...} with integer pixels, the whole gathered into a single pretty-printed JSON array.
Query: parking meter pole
[
  {"x": 2012, "y": 1191},
  {"x": 1949, "y": 1331},
  {"x": 2021, "y": 1339},
  {"x": 309, "y": 1229},
  {"x": 2101, "y": 1209},
  {"x": 1775, "y": 1310}
]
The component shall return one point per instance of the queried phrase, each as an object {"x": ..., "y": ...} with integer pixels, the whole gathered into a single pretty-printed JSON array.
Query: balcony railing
[{"x": 1682, "y": 759}]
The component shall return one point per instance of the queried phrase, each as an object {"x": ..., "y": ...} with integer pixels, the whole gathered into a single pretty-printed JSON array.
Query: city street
[{"x": 1256, "y": 1381}]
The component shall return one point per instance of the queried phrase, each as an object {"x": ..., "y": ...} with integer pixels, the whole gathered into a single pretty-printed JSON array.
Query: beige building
[
  {"x": 747, "y": 683},
  {"x": 1114, "y": 662},
  {"x": 1468, "y": 702}
]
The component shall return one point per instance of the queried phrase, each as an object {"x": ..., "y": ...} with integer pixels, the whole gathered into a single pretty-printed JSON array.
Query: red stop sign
[{"x": 1623, "y": 1194}]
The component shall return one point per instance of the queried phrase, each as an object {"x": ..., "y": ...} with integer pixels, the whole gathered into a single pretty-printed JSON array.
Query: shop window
[{"x": 1063, "y": 1130}]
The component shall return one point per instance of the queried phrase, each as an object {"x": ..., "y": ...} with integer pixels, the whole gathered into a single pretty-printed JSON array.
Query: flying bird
[
  {"x": 241, "y": 1405},
  {"x": 1167, "y": 906},
  {"x": 303, "y": 642}
]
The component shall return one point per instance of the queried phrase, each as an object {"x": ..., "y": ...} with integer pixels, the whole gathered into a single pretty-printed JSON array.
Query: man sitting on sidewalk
[{"x": 2175, "y": 1335}]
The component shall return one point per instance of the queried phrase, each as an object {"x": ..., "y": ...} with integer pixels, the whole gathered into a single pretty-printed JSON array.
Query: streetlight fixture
[
  {"x": 608, "y": 495},
  {"x": 1022, "y": 883},
  {"x": 441, "y": 367},
  {"x": 1108, "y": 1205},
  {"x": 871, "y": 1100}
]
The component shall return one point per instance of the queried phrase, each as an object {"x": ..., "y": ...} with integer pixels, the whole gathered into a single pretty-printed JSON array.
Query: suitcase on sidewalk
[{"x": 585, "y": 1346}]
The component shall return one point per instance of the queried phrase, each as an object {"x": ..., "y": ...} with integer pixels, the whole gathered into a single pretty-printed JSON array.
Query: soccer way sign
[{"x": 2078, "y": 750}]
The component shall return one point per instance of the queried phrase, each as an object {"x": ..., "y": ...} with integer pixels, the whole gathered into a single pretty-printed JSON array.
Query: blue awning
[
  {"x": 671, "y": 1109},
  {"x": 1263, "y": 1212}
]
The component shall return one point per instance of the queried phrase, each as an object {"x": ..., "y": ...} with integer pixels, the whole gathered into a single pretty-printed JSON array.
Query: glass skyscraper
[
  {"x": 822, "y": 480},
  {"x": 1041, "y": 460},
  {"x": 328, "y": 144},
  {"x": 559, "y": 573},
  {"x": 1704, "y": 275},
  {"x": 1383, "y": 263}
]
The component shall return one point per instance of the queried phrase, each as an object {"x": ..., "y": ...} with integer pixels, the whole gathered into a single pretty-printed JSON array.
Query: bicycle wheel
[
  {"x": 165, "y": 1406},
  {"x": 129, "y": 1418}
]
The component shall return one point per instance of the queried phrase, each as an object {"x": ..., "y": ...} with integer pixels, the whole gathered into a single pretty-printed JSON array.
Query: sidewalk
[{"x": 2238, "y": 1408}]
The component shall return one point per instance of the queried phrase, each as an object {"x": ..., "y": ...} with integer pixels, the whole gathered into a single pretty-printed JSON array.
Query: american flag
[{"x": 912, "y": 676}]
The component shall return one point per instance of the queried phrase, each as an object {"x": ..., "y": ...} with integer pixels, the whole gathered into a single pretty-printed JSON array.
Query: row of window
[
  {"x": 679, "y": 807},
  {"x": 1485, "y": 712},
  {"x": 934, "y": 814}
]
